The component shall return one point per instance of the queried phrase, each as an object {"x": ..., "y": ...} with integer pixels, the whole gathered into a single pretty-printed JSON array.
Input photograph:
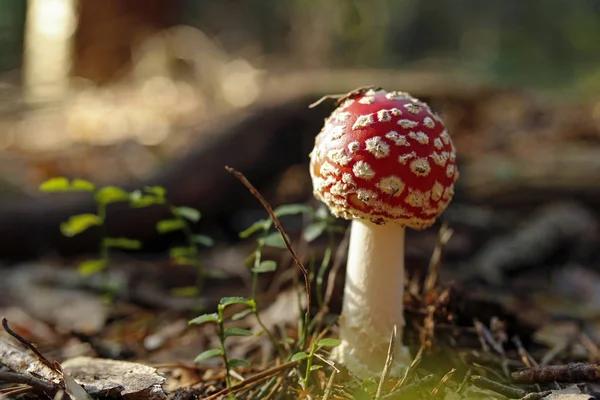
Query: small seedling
[
  {"x": 224, "y": 333},
  {"x": 309, "y": 357},
  {"x": 182, "y": 218},
  {"x": 79, "y": 223},
  {"x": 268, "y": 238}
]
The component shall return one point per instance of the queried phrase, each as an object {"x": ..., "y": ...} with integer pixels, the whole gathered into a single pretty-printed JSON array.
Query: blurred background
[
  {"x": 166, "y": 92},
  {"x": 109, "y": 90}
]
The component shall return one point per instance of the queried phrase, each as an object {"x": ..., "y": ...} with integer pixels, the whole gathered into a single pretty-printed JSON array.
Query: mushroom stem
[{"x": 373, "y": 299}]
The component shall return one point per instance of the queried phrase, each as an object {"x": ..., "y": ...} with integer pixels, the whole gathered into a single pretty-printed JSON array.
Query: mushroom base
[{"x": 373, "y": 300}]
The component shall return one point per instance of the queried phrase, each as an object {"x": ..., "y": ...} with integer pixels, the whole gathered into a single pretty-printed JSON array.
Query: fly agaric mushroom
[{"x": 385, "y": 161}]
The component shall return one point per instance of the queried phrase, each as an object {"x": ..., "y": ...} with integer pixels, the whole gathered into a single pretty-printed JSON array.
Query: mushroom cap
[{"x": 385, "y": 157}]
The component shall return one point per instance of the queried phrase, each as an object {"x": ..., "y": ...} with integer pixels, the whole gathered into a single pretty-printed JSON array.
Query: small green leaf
[
  {"x": 328, "y": 342},
  {"x": 169, "y": 225},
  {"x": 204, "y": 240},
  {"x": 227, "y": 301},
  {"x": 241, "y": 314},
  {"x": 60, "y": 184},
  {"x": 138, "y": 199},
  {"x": 262, "y": 224},
  {"x": 265, "y": 266},
  {"x": 205, "y": 355},
  {"x": 189, "y": 213},
  {"x": 111, "y": 194},
  {"x": 79, "y": 223},
  {"x": 299, "y": 356},
  {"x": 182, "y": 252},
  {"x": 291, "y": 209},
  {"x": 274, "y": 240},
  {"x": 239, "y": 363},
  {"x": 158, "y": 191},
  {"x": 89, "y": 267},
  {"x": 236, "y": 332},
  {"x": 185, "y": 291},
  {"x": 315, "y": 367},
  {"x": 192, "y": 262},
  {"x": 122, "y": 243},
  {"x": 82, "y": 185},
  {"x": 314, "y": 230},
  {"x": 213, "y": 317}
]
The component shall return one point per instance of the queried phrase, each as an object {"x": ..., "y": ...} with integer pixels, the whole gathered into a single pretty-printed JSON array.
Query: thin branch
[
  {"x": 36, "y": 383},
  {"x": 28, "y": 345},
  {"x": 279, "y": 228}
]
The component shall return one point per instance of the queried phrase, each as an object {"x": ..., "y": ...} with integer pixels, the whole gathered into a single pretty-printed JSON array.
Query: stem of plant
[
  {"x": 101, "y": 210},
  {"x": 189, "y": 236},
  {"x": 269, "y": 333},
  {"x": 220, "y": 310},
  {"x": 313, "y": 349},
  {"x": 257, "y": 260}
]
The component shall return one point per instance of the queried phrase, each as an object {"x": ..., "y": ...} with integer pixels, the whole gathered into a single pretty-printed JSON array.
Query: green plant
[
  {"x": 76, "y": 224},
  {"x": 268, "y": 238},
  {"x": 224, "y": 333},
  {"x": 182, "y": 218},
  {"x": 309, "y": 357}
]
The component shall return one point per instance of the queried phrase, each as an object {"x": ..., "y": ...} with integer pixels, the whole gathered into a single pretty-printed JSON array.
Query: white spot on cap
[
  {"x": 448, "y": 192},
  {"x": 405, "y": 157},
  {"x": 348, "y": 179},
  {"x": 328, "y": 169},
  {"x": 363, "y": 170},
  {"x": 420, "y": 166},
  {"x": 396, "y": 95},
  {"x": 413, "y": 108},
  {"x": 339, "y": 156},
  {"x": 398, "y": 139},
  {"x": 452, "y": 156},
  {"x": 337, "y": 132},
  {"x": 450, "y": 170},
  {"x": 367, "y": 100},
  {"x": 353, "y": 147},
  {"x": 437, "y": 142},
  {"x": 391, "y": 185},
  {"x": 395, "y": 112},
  {"x": 418, "y": 199},
  {"x": 445, "y": 137},
  {"x": 342, "y": 116},
  {"x": 339, "y": 189},
  {"x": 428, "y": 122},
  {"x": 347, "y": 103},
  {"x": 377, "y": 147},
  {"x": 420, "y": 137},
  {"x": 366, "y": 195},
  {"x": 384, "y": 116},
  {"x": 436, "y": 191},
  {"x": 439, "y": 158},
  {"x": 363, "y": 121},
  {"x": 407, "y": 123}
]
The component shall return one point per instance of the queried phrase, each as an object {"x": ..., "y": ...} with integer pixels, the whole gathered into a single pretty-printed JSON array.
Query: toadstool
[{"x": 385, "y": 161}]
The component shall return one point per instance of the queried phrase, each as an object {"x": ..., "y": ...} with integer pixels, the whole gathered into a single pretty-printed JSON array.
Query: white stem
[{"x": 373, "y": 299}]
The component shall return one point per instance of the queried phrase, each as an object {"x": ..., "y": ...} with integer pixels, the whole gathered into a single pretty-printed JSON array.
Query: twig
[
  {"x": 443, "y": 381},
  {"x": 413, "y": 365},
  {"x": 569, "y": 373},
  {"x": 254, "y": 379},
  {"x": 526, "y": 358},
  {"x": 341, "y": 97},
  {"x": 36, "y": 383},
  {"x": 329, "y": 388},
  {"x": 508, "y": 391},
  {"x": 397, "y": 394},
  {"x": 29, "y": 345},
  {"x": 279, "y": 228},
  {"x": 444, "y": 236},
  {"x": 388, "y": 363}
]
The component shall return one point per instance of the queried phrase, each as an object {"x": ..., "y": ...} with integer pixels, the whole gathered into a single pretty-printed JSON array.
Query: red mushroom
[{"x": 385, "y": 161}]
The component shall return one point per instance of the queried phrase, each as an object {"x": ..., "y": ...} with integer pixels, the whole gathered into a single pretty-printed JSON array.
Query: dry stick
[
  {"x": 254, "y": 379},
  {"x": 388, "y": 363},
  {"x": 508, "y": 391},
  {"x": 36, "y": 383},
  {"x": 569, "y": 373},
  {"x": 444, "y": 236},
  {"x": 29, "y": 345},
  {"x": 443, "y": 381},
  {"x": 329, "y": 388},
  {"x": 279, "y": 228}
]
